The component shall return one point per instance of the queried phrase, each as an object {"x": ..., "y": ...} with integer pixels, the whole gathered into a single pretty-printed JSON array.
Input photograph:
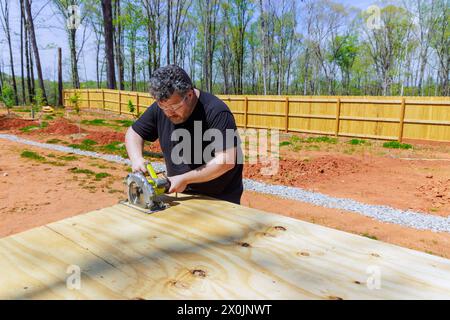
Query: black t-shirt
[{"x": 209, "y": 113}]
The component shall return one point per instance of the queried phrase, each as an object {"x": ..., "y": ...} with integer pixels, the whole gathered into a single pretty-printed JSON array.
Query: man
[{"x": 179, "y": 109}]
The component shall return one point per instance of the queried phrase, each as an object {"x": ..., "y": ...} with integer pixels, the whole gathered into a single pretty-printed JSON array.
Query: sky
[{"x": 51, "y": 35}]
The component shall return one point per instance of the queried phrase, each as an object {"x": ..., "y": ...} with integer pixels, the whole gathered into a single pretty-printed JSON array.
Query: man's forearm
[
  {"x": 134, "y": 144},
  {"x": 213, "y": 169}
]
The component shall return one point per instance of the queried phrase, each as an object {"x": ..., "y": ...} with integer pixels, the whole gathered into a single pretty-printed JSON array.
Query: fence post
[
  {"x": 402, "y": 119},
  {"x": 338, "y": 114},
  {"x": 137, "y": 104},
  {"x": 286, "y": 120},
  {"x": 120, "y": 102},
  {"x": 246, "y": 113},
  {"x": 103, "y": 99},
  {"x": 88, "y": 99}
]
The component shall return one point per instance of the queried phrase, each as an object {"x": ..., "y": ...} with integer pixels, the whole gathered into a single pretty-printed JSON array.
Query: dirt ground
[{"x": 52, "y": 186}]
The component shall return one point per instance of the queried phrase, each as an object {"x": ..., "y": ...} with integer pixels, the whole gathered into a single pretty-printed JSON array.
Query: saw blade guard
[{"x": 140, "y": 192}]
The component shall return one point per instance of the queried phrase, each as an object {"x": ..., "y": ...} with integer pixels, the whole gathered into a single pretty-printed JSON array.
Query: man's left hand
[{"x": 177, "y": 183}]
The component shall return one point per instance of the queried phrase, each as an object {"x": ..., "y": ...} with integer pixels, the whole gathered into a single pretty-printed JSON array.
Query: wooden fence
[{"x": 386, "y": 118}]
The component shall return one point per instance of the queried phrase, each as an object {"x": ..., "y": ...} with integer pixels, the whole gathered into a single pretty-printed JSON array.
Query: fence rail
[{"x": 386, "y": 118}]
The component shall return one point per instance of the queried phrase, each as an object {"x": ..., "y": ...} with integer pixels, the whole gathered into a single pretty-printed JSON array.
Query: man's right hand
[{"x": 139, "y": 165}]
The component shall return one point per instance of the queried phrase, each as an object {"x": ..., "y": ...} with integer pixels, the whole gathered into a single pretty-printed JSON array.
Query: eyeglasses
[{"x": 173, "y": 107}]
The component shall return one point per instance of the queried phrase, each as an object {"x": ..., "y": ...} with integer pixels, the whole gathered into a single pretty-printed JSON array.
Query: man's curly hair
[{"x": 167, "y": 80}]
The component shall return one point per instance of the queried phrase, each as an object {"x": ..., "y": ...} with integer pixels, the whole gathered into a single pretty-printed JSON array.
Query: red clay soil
[
  {"x": 299, "y": 173},
  {"x": 62, "y": 126},
  {"x": 105, "y": 137},
  {"x": 11, "y": 123},
  {"x": 417, "y": 185}
]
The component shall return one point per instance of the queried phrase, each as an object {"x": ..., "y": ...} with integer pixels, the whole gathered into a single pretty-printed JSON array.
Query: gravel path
[{"x": 407, "y": 218}]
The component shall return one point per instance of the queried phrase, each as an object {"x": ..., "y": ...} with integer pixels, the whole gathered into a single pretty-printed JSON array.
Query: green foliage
[
  {"x": 101, "y": 175},
  {"x": 86, "y": 145},
  {"x": 95, "y": 122},
  {"x": 285, "y": 143},
  {"x": 125, "y": 123},
  {"x": 89, "y": 142},
  {"x": 82, "y": 171},
  {"x": 131, "y": 107},
  {"x": 32, "y": 155},
  {"x": 8, "y": 96},
  {"x": 396, "y": 145},
  {"x": 357, "y": 141},
  {"x": 29, "y": 128},
  {"x": 53, "y": 141},
  {"x": 68, "y": 158},
  {"x": 324, "y": 139},
  {"x": 38, "y": 99},
  {"x": 75, "y": 101}
]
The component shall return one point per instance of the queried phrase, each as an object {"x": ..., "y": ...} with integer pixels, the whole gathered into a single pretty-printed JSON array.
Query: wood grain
[{"x": 206, "y": 249}]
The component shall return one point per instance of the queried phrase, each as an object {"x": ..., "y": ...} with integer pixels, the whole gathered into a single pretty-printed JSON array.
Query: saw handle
[
  {"x": 162, "y": 185},
  {"x": 151, "y": 171}
]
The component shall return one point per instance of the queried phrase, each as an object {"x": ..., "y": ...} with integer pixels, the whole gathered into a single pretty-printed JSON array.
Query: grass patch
[
  {"x": 396, "y": 145},
  {"x": 78, "y": 171},
  {"x": 114, "y": 146},
  {"x": 54, "y": 141},
  {"x": 29, "y": 128},
  {"x": 34, "y": 127},
  {"x": 115, "y": 191},
  {"x": 86, "y": 145},
  {"x": 51, "y": 155},
  {"x": 357, "y": 141},
  {"x": 48, "y": 117},
  {"x": 88, "y": 142},
  {"x": 285, "y": 143},
  {"x": 81, "y": 147},
  {"x": 150, "y": 154},
  {"x": 55, "y": 163},
  {"x": 101, "y": 175},
  {"x": 95, "y": 122},
  {"x": 325, "y": 139},
  {"x": 365, "y": 234},
  {"x": 32, "y": 155},
  {"x": 68, "y": 158},
  {"x": 313, "y": 147},
  {"x": 124, "y": 123}
]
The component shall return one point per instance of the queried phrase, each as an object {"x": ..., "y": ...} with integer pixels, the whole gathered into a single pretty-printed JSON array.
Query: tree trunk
[
  {"x": 21, "y": 55},
  {"x": 73, "y": 58},
  {"x": 35, "y": 50},
  {"x": 109, "y": 44},
  {"x": 32, "y": 79},
  {"x": 60, "y": 80},
  {"x": 118, "y": 42},
  {"x": 27, "y": 58},
  {"x": 133, "y": 62},
  {"x": 168, "y": 31}
]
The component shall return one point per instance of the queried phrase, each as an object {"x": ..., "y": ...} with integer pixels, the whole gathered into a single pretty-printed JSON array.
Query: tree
[
  {"x": 4, "y": 6},
  {"x": 386, "y": 43},
  {"x": 345, "y": 55},
  {"x": 73, "y": 15},
  {"x": 30, "y": 26},
  {"x": 8, "y": 97},
  {"x": 109, "y": 43}
]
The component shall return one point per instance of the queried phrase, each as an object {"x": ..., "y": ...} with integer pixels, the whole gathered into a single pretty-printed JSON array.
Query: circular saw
[{"x": 144, "y": 192}]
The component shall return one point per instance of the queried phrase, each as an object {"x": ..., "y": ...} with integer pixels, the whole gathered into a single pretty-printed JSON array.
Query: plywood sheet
[{"x": 208, "y": 249}]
